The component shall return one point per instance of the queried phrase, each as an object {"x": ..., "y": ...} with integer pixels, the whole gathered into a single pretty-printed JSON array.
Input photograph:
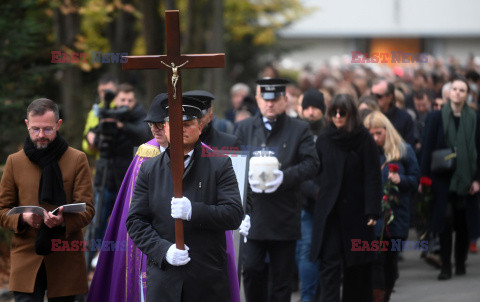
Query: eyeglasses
[
  {"x": 341, "y": 112},
  {"x": 159, "y": 126},
  {"x": 46, "y": 131},
  {"x": 378, "y": 96}
]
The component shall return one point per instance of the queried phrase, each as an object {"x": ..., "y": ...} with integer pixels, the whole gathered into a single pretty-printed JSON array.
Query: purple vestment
[{"x": 120, "y": 274}]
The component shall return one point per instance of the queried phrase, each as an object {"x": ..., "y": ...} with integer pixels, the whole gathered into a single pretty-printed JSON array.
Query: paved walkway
[{"x": 418, "y": 282}]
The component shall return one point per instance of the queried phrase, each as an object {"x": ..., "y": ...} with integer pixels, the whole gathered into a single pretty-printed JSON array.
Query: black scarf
[
  {"x": 51, "y": 186},
  {"x": 346, "y": 140},
  {"x": 51, "y": 183}
]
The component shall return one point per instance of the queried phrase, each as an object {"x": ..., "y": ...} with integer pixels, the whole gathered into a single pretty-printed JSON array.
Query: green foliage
[
  {"x": 251, "y": 31},
  {"x": 25, "y": 68}
]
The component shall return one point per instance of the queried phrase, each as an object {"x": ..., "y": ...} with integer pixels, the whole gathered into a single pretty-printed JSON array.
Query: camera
[{"x": 106, "y": 131}]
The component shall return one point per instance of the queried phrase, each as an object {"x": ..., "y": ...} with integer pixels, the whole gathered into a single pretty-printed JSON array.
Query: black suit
[
  {"x": 275, "y": 217},
  {"x": 211, "y": 186}
]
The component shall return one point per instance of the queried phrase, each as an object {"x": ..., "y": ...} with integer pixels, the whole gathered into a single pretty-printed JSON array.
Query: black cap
[
  {"x": 271, "y": 89},
  {"x": 313, "y": 98},
  {"x": 202, "y": 95},
  {"x": 192, "y": 108},
  {"x": 156, "y": 113}
]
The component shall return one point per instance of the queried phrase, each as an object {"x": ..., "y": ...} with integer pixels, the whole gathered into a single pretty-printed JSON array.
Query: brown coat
[{"x": 66, "y": 270}]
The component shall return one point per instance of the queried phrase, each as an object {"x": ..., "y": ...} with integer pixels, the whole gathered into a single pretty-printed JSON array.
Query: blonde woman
[{"x": 405, "y": 175}]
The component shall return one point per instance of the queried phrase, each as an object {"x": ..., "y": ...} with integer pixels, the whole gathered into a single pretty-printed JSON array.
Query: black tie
[{"x": 271, "y": 123}]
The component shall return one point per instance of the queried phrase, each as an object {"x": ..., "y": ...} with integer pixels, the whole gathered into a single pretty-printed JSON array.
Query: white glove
[
  {"x": 274, "y": 184},
  {"x": 181, "y": 208},
  {"x": 254, "y": 185},
  {"x": 177, "y": 257},
  {"x": 245, "y": 226}
]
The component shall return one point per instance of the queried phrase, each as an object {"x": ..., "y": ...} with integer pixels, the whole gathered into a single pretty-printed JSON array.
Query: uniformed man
[
  {"x": 211, "y": 136},
  {"x": 210, "y": 205},
  {"x": 274, "y": 213}
]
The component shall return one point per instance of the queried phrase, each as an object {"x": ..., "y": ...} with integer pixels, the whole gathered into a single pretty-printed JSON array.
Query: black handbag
[{"x": 443, "y": 161}]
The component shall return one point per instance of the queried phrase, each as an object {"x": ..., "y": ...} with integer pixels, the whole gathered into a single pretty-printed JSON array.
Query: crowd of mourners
[
  {"x": 370, "y": 161},
  {"x": 424, "y": 122}
]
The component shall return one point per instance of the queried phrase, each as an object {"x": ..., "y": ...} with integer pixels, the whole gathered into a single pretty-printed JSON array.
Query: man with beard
[
  {"x": 313, "y": 110},
  {"x": 46, "y": 173}
]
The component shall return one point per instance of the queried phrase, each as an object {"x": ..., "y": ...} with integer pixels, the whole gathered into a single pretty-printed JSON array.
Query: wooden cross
[{"x": 174, "y": 61}]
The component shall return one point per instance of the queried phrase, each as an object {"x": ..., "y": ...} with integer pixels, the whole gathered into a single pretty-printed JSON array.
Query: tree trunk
[
  {"x": 67, "y": 24},
  {"x": 153, "y": 30},
  {"x": 216, "y": 44},
  {"x": 122, "y": 35}
]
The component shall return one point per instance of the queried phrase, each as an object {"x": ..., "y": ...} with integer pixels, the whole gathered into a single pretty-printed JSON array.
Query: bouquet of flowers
[
  {"x": 390, "y": 191},
  {"x": 423, "y": 207}
]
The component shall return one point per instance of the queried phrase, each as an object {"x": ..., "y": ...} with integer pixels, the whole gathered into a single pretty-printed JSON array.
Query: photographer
[
  {"x": 107, "y": 87},
  {"x": 120, "y": 129}
]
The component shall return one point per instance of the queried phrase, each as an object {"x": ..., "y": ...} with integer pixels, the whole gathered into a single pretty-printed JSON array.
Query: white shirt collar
[
  {"x": 266, "y": 123},
  {"x": 187, "y": 161}
]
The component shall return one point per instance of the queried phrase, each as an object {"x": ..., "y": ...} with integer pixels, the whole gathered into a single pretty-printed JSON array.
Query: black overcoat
[
  {"x": 220, "y": 140},
  {"x": 434, "y": 139},
  {"x": 351, "y": 181},
  {"x": 276, "y": 216},
  {"x": 211, "y": 186}
]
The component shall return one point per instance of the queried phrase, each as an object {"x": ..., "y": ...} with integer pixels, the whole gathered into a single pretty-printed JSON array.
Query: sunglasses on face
[
  {"x": 341, "y": 112},
  {"x": 159, "y": 126},
  {"x": 378, "y": 96}
]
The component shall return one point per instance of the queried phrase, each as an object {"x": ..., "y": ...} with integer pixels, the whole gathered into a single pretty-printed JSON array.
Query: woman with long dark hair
[
  {"x": 456, "y": 127},
  {"x": 348, "y": 204}
]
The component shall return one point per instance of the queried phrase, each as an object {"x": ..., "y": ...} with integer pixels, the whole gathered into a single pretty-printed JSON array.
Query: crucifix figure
[
  {"x": 177, "y": 61},
  {"x": 175, "y": 76}
]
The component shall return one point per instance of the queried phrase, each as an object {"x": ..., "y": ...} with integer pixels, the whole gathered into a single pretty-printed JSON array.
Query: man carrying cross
[{"x": 210, "y": 205}]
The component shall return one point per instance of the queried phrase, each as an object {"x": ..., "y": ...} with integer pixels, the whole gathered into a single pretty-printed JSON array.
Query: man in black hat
[
  {"x": 210, "y": 205},
  {"x": 275, "y": 213},
  {"x": 313, "y": 111},
  {"x": 211, "y": 136}
]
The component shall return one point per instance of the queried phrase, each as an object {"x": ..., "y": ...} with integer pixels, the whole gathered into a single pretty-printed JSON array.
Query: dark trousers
[
  {"x": 357, "y": 281},
  {"x": 282, "y": 260},
  {"x": 385, "y": 268},
  {"x": 39, "y": 290},
  {"x": 455, "y": 221}
]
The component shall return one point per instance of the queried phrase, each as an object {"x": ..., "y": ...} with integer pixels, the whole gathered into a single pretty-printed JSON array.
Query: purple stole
[{"x": 120, "y": 274}]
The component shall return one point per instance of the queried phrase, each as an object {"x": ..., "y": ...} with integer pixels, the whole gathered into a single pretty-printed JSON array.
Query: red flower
[
  {"x": 385, "y": 198},
  {"x": 393, "y": 168},
  {"x": 425, "y": 181}
]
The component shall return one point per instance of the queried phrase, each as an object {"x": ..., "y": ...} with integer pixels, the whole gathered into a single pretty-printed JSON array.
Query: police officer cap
[
  {"x": 271, "y": 89},
  {"x": 156, "y": 113},
  {"x": 202, "y": 95},
  {"x": 191, "y": 107}
]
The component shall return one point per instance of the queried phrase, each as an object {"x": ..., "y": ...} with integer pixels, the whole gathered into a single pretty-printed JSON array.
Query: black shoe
[
  {"x": 460, "y": 270},
  {"x": 445, "y": 274}
]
